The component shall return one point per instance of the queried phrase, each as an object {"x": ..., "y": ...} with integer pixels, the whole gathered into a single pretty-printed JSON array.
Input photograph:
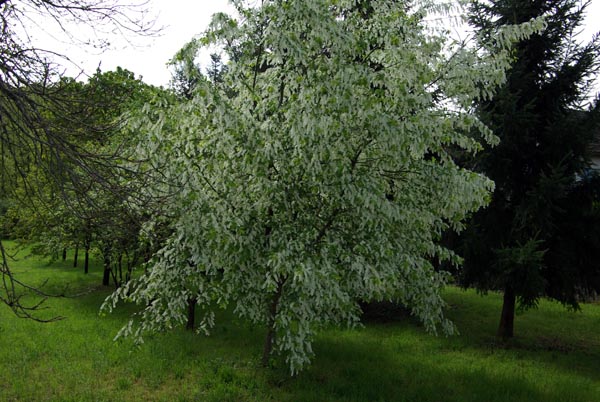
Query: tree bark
[
  {"x": 76, "y": 256},
  {"x": 86, "y": 264},
  {"x": 270, "y": 338},
  {"x": 507, "y": 318},
  {"x": 106, "y": 275},
  {"x": 191, "y": 318}
]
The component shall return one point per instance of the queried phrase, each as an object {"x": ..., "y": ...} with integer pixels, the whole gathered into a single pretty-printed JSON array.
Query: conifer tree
[{"x": 517, "y": 244}]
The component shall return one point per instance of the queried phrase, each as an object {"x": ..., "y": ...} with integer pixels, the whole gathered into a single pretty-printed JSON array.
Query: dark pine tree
[{"x": 539, "y": 237}]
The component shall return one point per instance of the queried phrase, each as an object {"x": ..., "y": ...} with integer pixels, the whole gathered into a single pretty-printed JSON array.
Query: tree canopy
[
  {"x": 533, "y": 240},
  {"x": 318, "y": 174}
]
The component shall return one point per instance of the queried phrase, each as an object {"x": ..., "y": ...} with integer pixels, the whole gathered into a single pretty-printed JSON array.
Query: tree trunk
[
  {"x": 191, "y": 318},
  {"x": 64, "y": 254},
  {"x": 507, "y": 319},
  {"x": 120, "y": 270},
  {"x": 86, "y": 263},
  {"x": 272, "y": 313},
  {"x": 76, "y": 256},
  {"x": 106, "y": 275},
  {"x": 270, "y": 338},
  {"x": 131, "y": 263}
]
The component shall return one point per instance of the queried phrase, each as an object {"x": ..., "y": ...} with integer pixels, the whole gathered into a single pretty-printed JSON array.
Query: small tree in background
[
  {"x": 30, "y": 98},
  {"x": 87, "y": 212},
  {"x": 528, "y": 243}
]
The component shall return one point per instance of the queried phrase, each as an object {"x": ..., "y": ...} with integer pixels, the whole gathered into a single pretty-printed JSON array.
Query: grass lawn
[{"x": 555, "y": 357}]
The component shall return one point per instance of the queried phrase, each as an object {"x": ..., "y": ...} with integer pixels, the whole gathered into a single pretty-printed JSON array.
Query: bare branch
[{"x": 33, "y": 93}]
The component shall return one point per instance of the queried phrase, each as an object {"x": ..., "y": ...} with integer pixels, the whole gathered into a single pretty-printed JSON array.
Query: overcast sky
[{"x": 182, "y": 20}]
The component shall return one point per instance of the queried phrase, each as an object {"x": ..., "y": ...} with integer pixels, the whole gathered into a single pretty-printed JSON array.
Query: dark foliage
[{"x": 538, "y": 237}]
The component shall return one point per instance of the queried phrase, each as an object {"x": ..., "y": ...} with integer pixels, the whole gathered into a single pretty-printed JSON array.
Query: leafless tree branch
[{"x": 31, "y": 94}]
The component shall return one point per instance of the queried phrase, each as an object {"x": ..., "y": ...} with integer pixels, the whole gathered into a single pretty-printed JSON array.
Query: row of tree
[
  {"x": 85, "y": 212},
  {"x": 325, "y": 165},
  {"x": 54, "y": 132}
]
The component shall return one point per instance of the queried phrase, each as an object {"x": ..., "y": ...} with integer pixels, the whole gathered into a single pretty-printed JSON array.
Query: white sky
[{"x": 182, "y": 20}]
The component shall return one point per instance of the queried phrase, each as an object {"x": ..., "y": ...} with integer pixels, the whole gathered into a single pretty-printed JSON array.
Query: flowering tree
[{"x": 317, "y": 173}]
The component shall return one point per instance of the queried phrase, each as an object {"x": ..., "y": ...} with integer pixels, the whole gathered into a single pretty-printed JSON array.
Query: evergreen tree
[{"x": 517, "y": 244}]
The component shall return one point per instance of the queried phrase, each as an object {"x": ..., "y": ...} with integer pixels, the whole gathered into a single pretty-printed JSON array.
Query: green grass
[{"x": 555, "y": 357}]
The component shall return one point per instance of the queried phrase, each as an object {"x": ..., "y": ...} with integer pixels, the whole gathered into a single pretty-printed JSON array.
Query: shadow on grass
[
  {"x": 394, "y": 361},
  {"x": 549, "y": 336},
  {"x": 361, "y": 370},
  {"x": 541, "y": 335}
]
